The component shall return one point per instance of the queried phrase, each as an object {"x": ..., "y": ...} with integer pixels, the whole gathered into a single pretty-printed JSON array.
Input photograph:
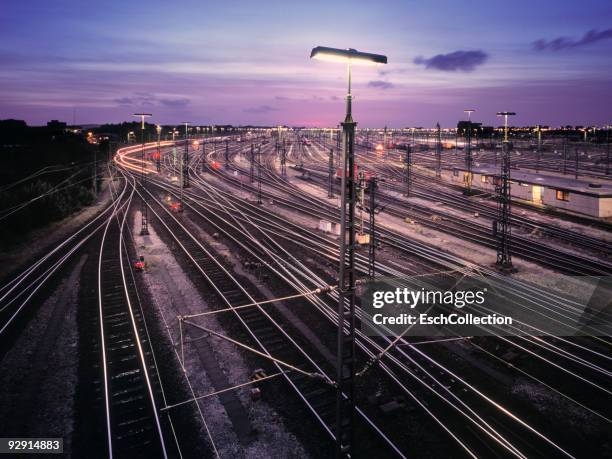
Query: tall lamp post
[
  {"x": 345, "y": 363},
  {"x": 144, "y": 221}
]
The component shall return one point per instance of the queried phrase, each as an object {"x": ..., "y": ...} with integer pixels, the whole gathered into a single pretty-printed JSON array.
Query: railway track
[
  {"x": 133, "y": 425},
  {"x": 312, "y": 382},
  {"x": 402, "y": 362}
]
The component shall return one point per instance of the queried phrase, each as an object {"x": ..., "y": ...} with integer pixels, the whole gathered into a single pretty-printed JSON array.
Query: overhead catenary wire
[
  {"x": 317, "y": 291},
  {"x": 312, "y": 375}
]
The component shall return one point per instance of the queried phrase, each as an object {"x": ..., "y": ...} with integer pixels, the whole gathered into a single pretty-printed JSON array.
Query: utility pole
[
  {"x": 438, "y": 151},
  {"x": 95, "y": 172},
  {"x": 539, "y": 134},
  {"x": 226, "y": 153},
  {"x": 373, "y": 210},
  {"x": 608, "y": 150},
  {"x": 204, "y": 153},
  {"x": 564, "y": 155},
  {"x": 407, "y": 170},
  {"x": 576, "y": 165},
  {"x": 468, "y": 151},
  {"x": 330, "y": 193},
  {"x": 385, "y": 142},
  {"x": 259, "y": 201},
  {"x": 503, "y": 227},
  {"x": 283, "y": 153},
  {"x": 174, "y": 155},
  {"x": 158, "y": 128},
  {"x": 144, "y": 221},
  {"x": 252, "y": 163},
  {"x": 301, "y": 151},
  {"x": 185, "y": 165}
]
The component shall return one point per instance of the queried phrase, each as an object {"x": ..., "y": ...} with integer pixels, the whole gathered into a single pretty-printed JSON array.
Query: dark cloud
[
  {"x": 380, "y": 84},
  {"x": 385, "y": 72},
  {"x": 124, "y": 101},
  {"x": 174, "y": 103},
  {"x": 465, "y": 61},
  {"x": 559, "y": 43},
  {"x": 260, "y": 109},
  {"x": 282, "y": 98},
  {"x": 334, "y": 97},
  {"x": 150, "y": 100}
]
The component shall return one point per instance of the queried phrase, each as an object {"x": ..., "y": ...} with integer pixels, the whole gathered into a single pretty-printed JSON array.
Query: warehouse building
[{"x": 592, "y": 198}]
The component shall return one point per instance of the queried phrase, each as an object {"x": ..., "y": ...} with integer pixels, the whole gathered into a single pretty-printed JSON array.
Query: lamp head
[{"x": 351, "y": 55}]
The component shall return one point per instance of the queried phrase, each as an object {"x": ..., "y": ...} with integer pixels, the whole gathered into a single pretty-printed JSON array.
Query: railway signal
[
  {"x": 503, "y": 227},
  {"x": 345, "y": 365},
  {"x": 144, "y": 221}
]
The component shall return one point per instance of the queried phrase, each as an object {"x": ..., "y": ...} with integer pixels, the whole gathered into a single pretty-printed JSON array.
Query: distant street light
[{"x": 345, "y": 403}]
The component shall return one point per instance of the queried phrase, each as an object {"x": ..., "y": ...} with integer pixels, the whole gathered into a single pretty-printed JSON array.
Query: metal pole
[
  {"x": 158, "y": 159},
  {"x": 185, "y": 168},
  {"x": 259, "y": 201},
  {"x": 468, "y": 153},
  {"x": 576, "y": 164},
  {"x": 330, "y": 193},
  {"x": 144, "y": 221},
  {"x": 95, "y": 172},
  {"x": 539, "y": 148},
  {"x": 503, "y": 227},
  {"x": 407, "y": 170},
  {"x": 372, "y": 245},
  {"x": 564, "y": 155},
  {"x": 203, "y": 153},
  {"x": 438, "y": 152},
  {"x": 345, "y": 366},
  {"x": 283, "y": 152},
  {"x": 252, "y": 163},
  {"x": 608, "y": 152}
]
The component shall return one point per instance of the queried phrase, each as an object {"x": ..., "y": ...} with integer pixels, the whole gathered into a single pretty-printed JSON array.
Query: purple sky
[{"x": 245, "y": 62}]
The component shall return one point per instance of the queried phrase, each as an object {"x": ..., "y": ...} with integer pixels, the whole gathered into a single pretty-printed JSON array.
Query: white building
[{"x": 593, "y": 198}]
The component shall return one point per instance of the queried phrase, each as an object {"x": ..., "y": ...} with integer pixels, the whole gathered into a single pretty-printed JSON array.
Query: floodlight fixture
[{"x": 505, "y": 115}]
